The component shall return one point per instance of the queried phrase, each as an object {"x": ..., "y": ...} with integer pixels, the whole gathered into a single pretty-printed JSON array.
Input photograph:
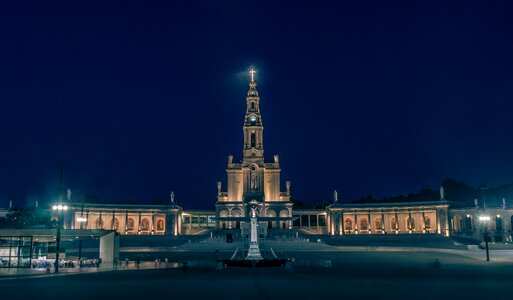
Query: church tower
[
  {"x": 253, "y": 127},
  {"x": 252, "y": 179}
]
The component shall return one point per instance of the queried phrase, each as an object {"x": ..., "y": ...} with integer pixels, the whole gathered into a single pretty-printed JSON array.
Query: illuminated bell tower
[
  {"x": 253, "y": 182},
  {"x": 253, "y": 128}
]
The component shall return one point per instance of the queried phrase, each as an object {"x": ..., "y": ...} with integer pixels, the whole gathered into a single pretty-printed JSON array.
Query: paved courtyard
[{"x": 353, "y": 275}]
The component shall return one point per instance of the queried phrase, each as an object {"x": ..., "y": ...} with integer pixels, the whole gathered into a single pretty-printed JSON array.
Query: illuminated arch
[
  {"x": 394, "y": 224},
  {"x": 379, "y": 223},
  {"x": 145, "y": 224},
  {"x": 364, "y": 224},
  {"x": 160, "y": 225},
  {"x": 348, "y": 224},
  {"x": 130, "y": 224}
]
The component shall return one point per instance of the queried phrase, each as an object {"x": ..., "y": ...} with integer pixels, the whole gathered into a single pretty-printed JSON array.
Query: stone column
[
  {"x": 423, "y": 222},
  {"x": 370, "y": 222},
  {"x": 126, "y": 222},
  {"x": 410, "y": 229},
  {"x": 437, "y": 214},
  {"x": 341, "y": 223},
  {"x": 153, "y": 223},
  {"x": 447, "y": 229},
  {"x": 328, "y": 224},
  {"x": 355, "y": 225},
  {"x": 397, "y": 222},
  {"x": 384, "y": 223},
  {"x": 139, "y": 223}
]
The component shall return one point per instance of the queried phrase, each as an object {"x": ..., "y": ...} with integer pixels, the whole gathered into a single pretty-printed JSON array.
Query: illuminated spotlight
[{"x": 484, "y": 218}]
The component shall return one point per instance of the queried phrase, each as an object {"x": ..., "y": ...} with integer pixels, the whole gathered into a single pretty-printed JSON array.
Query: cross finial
[{"x": 252, "y": 72}]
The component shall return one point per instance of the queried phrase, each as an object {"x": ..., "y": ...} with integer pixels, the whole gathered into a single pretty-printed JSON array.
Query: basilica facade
[{"x": 253, "y": 181}]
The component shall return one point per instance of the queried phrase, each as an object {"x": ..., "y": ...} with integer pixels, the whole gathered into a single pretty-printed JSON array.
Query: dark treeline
[{"x": 456, "y": 191}]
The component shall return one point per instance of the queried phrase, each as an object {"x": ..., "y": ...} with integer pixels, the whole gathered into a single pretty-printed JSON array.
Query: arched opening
[
  {"x": 348, "y": 225},
  {"x": 145, "y": 224},
  {"x": 457, "y": 223},
  {"x": 252, "y": 105},
  {"x": 237, "y": 213},
  {"x": 394, "y": 224},
  {"x": 223, "y": 214},
  {"x": 467, "y": 224},
  {"x": 130, "y": 224},
  {"x": 271, "y": 214},
  {"x": 498, "y": 223},
  {"x": 160, "y": 225},
  {"x": 379, "y": 223},
  {"x": 253, "y": 139},
  {"x": 284, "y": 213},
  {"x": 498, "y": 228},
  {"x": 364, "y": 224}
]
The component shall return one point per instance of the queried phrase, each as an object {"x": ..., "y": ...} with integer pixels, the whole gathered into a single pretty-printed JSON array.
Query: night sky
[{"x": 135, "y": 99}]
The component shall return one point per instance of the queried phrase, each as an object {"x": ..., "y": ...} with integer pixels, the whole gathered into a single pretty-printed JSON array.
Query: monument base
[{"x": 254, "y": 252}]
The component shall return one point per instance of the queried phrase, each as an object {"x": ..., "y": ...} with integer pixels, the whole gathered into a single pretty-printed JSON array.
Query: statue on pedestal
[
  {"x": 335, "y": 196},
  {"x": 219, "y": 188}
]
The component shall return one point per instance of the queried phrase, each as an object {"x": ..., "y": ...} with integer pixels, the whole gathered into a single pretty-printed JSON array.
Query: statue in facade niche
[{"x": 254, "y": 180}]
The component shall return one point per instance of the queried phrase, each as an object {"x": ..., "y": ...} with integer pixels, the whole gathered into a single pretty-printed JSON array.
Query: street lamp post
[
  {"x": 59, "y": 208},
  {"x": 81, "y": 220},
  {"x": 485, "y": 220}
]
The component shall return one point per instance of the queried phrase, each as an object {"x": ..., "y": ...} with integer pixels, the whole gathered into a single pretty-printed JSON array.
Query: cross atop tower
[{"x": 252, "y": 72}]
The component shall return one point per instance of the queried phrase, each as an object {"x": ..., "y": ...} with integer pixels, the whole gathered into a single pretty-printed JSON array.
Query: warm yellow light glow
[
  {"x": 498, "y": 216},
  {"x": 59, "y": 207},
  {"x": 54, "y": 207},
  {"x": 468, "y": 216},
  {"x": 65, "y": 207},
  {"x": 81, "y": 219},
  {"x": 484, "y": 218}
]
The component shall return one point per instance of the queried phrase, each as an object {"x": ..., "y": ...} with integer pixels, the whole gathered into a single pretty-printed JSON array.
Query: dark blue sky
[{"x": 135, "y": 99}]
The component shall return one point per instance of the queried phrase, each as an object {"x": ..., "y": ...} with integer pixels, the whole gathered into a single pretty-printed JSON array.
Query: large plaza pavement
[{"x": 352, "y": 275}]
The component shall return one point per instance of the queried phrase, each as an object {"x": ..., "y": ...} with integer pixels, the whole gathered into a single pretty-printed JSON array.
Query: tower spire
[{"x": 253, "y": 127}]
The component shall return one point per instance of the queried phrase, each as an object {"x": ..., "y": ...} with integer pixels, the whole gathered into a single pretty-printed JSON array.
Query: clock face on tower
[{"x": 252, "y": 119}]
